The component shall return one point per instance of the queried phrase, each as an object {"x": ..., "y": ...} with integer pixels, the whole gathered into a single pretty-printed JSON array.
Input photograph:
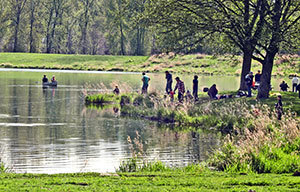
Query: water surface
[{"x": 52, "y": 131}]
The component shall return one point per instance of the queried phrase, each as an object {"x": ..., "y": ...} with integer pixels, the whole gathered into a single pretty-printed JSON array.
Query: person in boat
[
  {"x": 45, "y": 79},
  {"x": 53, "y": 80}
]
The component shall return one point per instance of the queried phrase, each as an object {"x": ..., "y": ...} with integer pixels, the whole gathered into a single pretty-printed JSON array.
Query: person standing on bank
[
  {"x": 295, "y": 82},
  {"x": 257, "y": 77},
  {"x": 181, "y": 89},
  {"x": 249, "y": 83},
  {"x": 278, "y": 107},
  {"x": 145, "y": 80},
  {"x": 195, "y": 87},
  {"x": 298, "y": 89},
  {"x": 169, "y": 82}
]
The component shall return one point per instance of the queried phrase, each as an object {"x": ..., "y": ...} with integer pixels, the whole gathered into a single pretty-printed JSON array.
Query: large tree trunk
[
  {"x": 264, "y": 88},
  {"x": 247, "y": 59},
  {"x": 273, "y": 49}
]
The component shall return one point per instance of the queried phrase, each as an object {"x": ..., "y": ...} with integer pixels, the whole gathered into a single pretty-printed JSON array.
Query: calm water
[{"x": 51, "y": 130}]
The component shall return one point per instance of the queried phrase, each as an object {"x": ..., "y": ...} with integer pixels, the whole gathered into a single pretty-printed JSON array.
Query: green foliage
[
  {"x": 100, "y": 98},
  {"x": 140, "y": 165}
]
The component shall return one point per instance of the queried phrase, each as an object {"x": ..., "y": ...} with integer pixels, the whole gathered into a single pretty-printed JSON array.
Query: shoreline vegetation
[
  {"x": 255, "y": 140},
  {"x": 285, "y": 65}
]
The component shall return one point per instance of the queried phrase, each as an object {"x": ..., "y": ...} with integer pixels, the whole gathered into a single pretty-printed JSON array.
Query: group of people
[
  {"x": 252, "y": 84},
  {"x": 295, "y": 85},
  {"x": 45, "y": 79},
  {"x": 180, "y": 87}
]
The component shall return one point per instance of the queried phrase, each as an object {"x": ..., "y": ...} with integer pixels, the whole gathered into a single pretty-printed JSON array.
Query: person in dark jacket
[
  {"x": 169, "y": 82},
  {"x": 45, "y": 79},
  {"x": 195, "y": 87},
  {"x": 213, "y": 91},
  {"x": 298, "y": 89},
  {"x": 257, "y": 76},
  {"x": 249, "y": 83},
  {"x": 283, "y": 86}
]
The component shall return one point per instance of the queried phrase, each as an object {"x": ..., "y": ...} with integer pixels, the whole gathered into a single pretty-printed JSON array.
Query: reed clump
[{"x": 138, "y": 161}]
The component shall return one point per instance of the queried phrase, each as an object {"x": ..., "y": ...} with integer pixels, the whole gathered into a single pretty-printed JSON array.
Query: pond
[{"x": 52, "y": 131}]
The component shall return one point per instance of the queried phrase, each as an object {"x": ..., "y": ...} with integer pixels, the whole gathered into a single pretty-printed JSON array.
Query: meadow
[{"x": 285, "y": 65}]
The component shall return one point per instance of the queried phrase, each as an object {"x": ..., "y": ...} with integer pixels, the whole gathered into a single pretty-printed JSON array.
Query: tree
[
  {"x": 136, "y": 10},
  {"x": 16, "y": 10},
  {"x": 35, "y": 24},
  {"x": 188, "y": 22},
  {"x": 55, "y": 13},
  {"x": 89, "y": 7},
  {"x": 282, "y": 27},
  {"x": 3, "y": 20},
  {"x": 116, "y": 21}
]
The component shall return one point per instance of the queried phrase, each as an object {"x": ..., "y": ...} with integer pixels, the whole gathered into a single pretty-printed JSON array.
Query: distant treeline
[
  {"x": 73, "y": 27},
  {"x": 97, "y": 27}
]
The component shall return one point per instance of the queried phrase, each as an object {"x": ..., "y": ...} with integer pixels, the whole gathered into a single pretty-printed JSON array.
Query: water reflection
[{"x": 51, "y": 131}]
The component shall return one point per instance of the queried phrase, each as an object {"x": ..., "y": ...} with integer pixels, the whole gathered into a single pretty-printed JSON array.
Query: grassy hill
[{"x": 195, "y": 64}]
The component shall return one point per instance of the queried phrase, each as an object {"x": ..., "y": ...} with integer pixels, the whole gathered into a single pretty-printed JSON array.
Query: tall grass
[
  {"x": 265, "y": 145},
  {"x": 138, "y": 161},
  {"x": 3, "y": 167}
]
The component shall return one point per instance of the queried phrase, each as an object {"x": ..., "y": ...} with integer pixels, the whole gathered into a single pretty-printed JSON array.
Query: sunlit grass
[{"x": 198, "y": 63}]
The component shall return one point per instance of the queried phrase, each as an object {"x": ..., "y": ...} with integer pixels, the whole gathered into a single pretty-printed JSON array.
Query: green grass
[
  {"x": 195, "y": 64},
  {"x": 101, "y": 99},
  {"x": 222, "y": 115},
  {"x": 72, "y": 62},
  {"x": 176, "y": 180}
]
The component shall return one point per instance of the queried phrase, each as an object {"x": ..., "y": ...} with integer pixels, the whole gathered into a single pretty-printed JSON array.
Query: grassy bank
[
  {"x": 178, "y": 180},
  {"x": 222, "y": 115},
  {"x": 256, "y": 141},
  {"x": 195, "y": 64}
]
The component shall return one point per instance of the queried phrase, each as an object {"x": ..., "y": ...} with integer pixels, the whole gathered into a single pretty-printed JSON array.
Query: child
[
  {"x": 278, "y": 107},
  {"x": 116, "y": 90},
  {"x": 171, "y": 95}
]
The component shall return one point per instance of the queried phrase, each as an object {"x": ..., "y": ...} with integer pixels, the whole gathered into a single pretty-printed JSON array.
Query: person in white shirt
[{"x": 295, "y": 82}]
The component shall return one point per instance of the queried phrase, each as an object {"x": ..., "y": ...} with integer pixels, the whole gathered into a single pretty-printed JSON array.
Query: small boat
[{"x": 50, "y": 84}]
